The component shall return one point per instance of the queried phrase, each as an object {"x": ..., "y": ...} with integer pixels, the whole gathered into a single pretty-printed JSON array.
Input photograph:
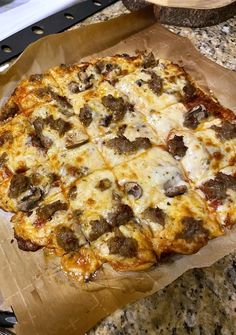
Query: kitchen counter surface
[{"x": 202, "y": 301}]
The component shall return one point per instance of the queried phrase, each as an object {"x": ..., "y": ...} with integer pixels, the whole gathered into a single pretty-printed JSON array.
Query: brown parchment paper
[{"x": 46, "y": 304}]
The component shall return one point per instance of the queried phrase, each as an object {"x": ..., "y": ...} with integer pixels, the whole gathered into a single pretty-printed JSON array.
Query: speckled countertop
[{"x": 202, "y": 301}]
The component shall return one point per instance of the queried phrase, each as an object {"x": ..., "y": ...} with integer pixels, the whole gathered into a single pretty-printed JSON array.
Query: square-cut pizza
[
  {"x": 116, "y": 162},
  {"x": 36, "y": 90},
  {"x": 150, "y": 178},
  {"x": 220, "y": 192},
  {"x": 33, "y": 229},
  {"x": 77, "y": 162},
  {"x": 56, "y": 130},
  {"x": 98, "y": 203},
  {"x": 24, "y": 190},
  {"x": 18, "y": 149}
]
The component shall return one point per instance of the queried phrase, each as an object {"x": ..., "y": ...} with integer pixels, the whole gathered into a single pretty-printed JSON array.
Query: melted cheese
[
  {"x": 196, "y": 161},
  {"x": 59, "y": 142},
  {"x": 30, "y": 227},
  {"x": 93, "y": 202},
  {"x": 143, "y": 260},
  {"x": 21, "y": 154},
  {"x": 144, "y": 99},
  {"x": 167, "y": 119},
  {"x": 187, "y": 205},
  {"x": 151, "y": 171},
  {"x": 222, "y": 152},
  {"x": 132, "y": 132},
  {"x": 75, "y": 163},
  {"x": 26, "y": 96}
]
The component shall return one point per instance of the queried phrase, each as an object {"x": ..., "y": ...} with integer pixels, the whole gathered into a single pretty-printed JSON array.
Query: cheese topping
[{"x": 116, "y": 161}]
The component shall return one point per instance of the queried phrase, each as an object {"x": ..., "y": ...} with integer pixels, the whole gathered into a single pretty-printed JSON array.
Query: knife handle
[{"x": 7, "y": 319}]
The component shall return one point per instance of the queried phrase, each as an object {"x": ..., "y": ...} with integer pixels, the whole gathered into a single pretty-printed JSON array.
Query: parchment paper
[{"x": 44, "y": 302}]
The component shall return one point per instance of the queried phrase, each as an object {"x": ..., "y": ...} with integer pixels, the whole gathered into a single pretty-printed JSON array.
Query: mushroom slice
[
  {"x": 75, "y": 140},
  {"x": 133, "y": 189}
]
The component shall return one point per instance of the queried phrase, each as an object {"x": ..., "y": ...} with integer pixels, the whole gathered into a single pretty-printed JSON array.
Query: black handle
[
  {"x": 13, "y": 45},
  {"x": 7, "y": 319}
]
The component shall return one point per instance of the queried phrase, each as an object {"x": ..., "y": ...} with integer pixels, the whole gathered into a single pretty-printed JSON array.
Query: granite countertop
[{"x": 202, "y": 301}]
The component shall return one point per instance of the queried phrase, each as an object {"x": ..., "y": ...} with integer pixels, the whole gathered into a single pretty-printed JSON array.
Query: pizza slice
[
  {"x": 206, "y": 151},
  {"x": 126, "y": 138},
  {"x": 125, "y": 249},
  {"x": 106, "y": 220},
  {"x": 35, "y": 90},
  {"x": 104, "y": 109},
  {"x": 24, "y": 190},
  {"x": 56, "y": 130},
  {"x": 33, "y": 230},
  {"x": 167, "y": 119},
  {"x": 185, "y": 147},
  {"x": 98, "y": 204},
  {"x": 18, "y": 148},
  {"x": 220, "y": 192},
  {"x": 219, "y": 138},
  {"x": 77, "y": 162},
  {"x": 181, "y": 224},
  {"x": 150, "y": 178}
]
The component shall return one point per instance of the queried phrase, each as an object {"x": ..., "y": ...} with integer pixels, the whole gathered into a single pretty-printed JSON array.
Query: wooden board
[
  {"x": 195, "y": 4},
  {"x": 186, "y": 17}
]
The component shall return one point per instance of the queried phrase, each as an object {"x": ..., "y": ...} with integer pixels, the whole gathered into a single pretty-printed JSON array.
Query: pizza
[{"x": 116, "y": 162}]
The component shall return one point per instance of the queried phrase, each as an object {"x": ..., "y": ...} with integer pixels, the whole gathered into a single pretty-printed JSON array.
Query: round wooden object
[
  {"x": 134, "y": 5},
  {"x": 187, "y": 17},
  {"x": 194, "y": 17}
]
